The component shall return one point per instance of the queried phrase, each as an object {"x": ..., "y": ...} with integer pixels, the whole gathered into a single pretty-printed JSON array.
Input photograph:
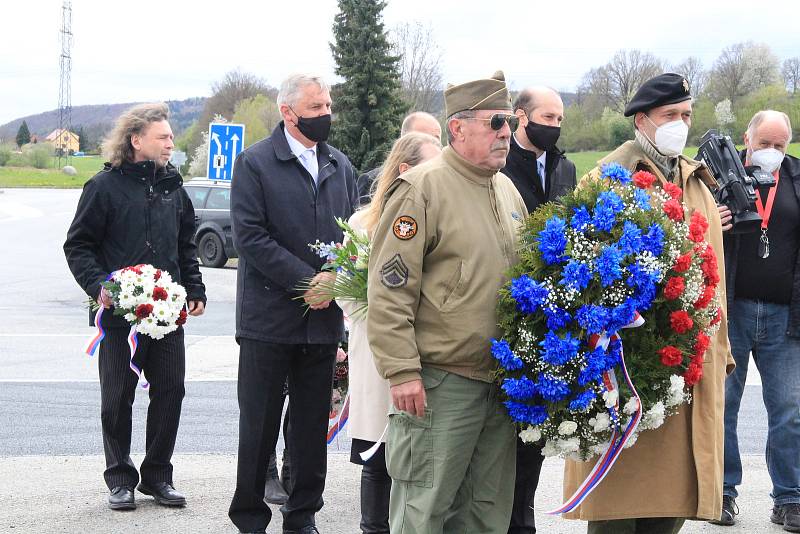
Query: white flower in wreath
[
  {"x": 569, "y": 446},
  {"x": 676, "y": 395},
  {"x": 611, "y": 398},
  {"x": 600, "y": 422},
  {"x": 631, "y": 406},
  {"x": 567, "y": 428},
  {"x": 654, "y": 417},
  {"x": 550, "y": 448},
  {"x": 531, "y": 434}
]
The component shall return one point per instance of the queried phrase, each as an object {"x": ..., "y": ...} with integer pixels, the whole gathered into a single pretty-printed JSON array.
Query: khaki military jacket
[{"x": 446, "y": 238}]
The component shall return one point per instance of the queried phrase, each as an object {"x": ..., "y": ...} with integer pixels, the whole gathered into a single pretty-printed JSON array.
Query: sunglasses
[{"x": 497, "y": 120}]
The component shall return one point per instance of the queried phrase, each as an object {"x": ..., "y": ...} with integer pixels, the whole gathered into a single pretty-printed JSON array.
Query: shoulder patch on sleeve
[
  {"x": 394, "y": 273},
  {"x": 404, "y": 227}
]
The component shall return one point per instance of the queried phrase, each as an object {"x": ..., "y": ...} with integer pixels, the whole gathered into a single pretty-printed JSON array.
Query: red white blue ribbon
[
  {"x": 133, "y": 344},
  {"x": 94, "y": 343},
  {"x": 337, "y": 422},
  {"x": 618, "y": 440}
]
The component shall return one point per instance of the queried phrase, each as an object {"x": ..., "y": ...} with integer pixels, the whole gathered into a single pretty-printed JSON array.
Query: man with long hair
[{"x": 135, "y": 211}]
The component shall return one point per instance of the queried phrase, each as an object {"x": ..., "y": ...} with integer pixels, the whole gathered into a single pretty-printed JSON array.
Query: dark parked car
[{"x": 212, "y": 212}]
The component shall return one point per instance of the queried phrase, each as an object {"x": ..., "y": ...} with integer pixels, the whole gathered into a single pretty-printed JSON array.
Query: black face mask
[
  {"x": 315, "y": 129},
  {"x": 542, "y": 136}
]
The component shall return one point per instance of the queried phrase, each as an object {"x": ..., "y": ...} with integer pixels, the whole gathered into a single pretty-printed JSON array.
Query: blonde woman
[{"x": 369, "y": 392}]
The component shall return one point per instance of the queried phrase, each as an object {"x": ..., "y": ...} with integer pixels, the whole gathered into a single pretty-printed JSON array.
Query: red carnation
[
  {"x": 701, "y": 345},
  {"x": 673, "y": 190},
  {"x": 673, "y": 209},
  {"x": 181, "y": 318},
  {"x": 643, "y": 179},
  {"x": 157, "y": 276},
  {"x": 693, "y": 374},
  {"x": 674, "y": 288},
  {"x": 144, "y": 310},
  {"x": 680, "y": 321},
  {"x": 671, "y": 356},
  {"x": 705, "y": 299},
  {"x": 697, "y": 227},
  {"x": 159, "y": 293},
  {"x": 683, "y": 263},
  {"x": 717, "y": 318}
]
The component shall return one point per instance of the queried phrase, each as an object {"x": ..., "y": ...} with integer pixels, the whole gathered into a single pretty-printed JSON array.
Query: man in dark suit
[
  {"x": 288, "y": 190},
  {"x": 541, "y": 173}
]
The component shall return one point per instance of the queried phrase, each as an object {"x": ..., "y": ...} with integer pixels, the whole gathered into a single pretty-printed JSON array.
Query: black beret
[{"x": 667, "y": 88}]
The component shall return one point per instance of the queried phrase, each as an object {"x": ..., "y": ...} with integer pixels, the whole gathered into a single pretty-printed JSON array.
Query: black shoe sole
[
  {"x": 162, "y": 501},
  {"x": 723, "y": 523},
  {"x": 779, "y": 521},
  {"x": 122, "y": 506}
]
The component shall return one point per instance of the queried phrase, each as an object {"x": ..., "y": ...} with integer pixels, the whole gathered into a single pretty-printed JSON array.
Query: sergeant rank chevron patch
[{"x": 394, "y": 273}]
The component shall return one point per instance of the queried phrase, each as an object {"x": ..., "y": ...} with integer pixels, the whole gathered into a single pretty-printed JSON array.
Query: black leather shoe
[
  {"x": 787, "y": 515},
  {"x": 121, "y": 498},
  {"x": 729, "y": 512},
  {"x": 163, "y": 493},
  {"x": 274, "y": 493},
  {"x": 308, "y": 529}
]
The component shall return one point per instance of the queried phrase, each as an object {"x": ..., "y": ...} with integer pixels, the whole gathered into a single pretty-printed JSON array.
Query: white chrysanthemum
[
  {"x": 531, "y": 434},
  {"x": 675, "y": 395},
  {"x": 654, "y": 417},
  {"x": 130, "y": 317},
  {"x": 600, "y": 422},
  {"x": 567, "y": 428},
  {"x": 611, "y": 398},
  {"x": 631, "y": 406},
  {"x": 569, "y": 446},
  {"x": 550, "y": 448},
  {"x": 126, "y": 300}
]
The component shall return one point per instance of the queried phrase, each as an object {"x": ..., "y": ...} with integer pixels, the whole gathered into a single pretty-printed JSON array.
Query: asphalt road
[{"x": 50, "y": 407}]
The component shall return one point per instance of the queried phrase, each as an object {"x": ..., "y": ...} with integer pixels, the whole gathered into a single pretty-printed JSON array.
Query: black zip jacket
[
  {"x": 131, "y": 214},
  {"x": 790, "y": 170},
  {"x": 277, "y": 211}
]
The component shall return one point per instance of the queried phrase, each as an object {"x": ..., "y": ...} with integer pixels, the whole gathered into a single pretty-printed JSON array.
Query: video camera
[{"x": 736, "y": 182}]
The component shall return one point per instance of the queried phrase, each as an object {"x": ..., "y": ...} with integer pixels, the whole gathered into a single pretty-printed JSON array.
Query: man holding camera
[
  {"x": 678, "y": 466},
  {"x": 763, "y": 287}
]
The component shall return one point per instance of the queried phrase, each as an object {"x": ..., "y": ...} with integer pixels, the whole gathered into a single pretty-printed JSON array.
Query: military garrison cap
[
  {"x": 667, "y": 88},
  {"x": 490, "y": 93}
]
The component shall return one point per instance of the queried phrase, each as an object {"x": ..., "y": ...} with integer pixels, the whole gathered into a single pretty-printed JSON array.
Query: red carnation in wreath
[
  {"x": 144, "y": 310},
  {"x": 693, "y": 374},
  {"x": 671, "y": 356},
  {"x": 697, "y": 227},
  {"x": 674, "y": 288},
  {"x": 683, "y": 262},
  {"x": 673, "y": 190},
  {"x": 673, "y": 209},
  {"x": 680, "y": 321},
  {"x": 643, "y": 179},
  {"x": 701, "y": 344},
  {"x": 159, "y": 293}
]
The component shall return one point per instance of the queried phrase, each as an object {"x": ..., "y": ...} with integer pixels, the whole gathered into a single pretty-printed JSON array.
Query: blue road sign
[{"x": 225, "y": 141}]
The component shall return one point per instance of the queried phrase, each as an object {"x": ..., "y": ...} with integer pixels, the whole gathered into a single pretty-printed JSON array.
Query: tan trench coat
[{"x": 675, "y": 470}]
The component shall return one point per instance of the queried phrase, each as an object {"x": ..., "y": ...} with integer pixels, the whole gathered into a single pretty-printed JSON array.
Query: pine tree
[
  {"x": 83, "y": 140},
  {"x": 368, "y": 106},
  {"x": 23, "y": 134}
]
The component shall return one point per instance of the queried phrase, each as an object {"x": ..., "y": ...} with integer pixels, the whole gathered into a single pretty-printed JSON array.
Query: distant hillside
[{"x": 96, "y": 120}]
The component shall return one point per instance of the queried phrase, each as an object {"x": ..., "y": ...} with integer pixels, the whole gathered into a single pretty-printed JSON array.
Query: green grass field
[
  {"x": 586, "y": 161},
  {"x": 15, "y": 175}
]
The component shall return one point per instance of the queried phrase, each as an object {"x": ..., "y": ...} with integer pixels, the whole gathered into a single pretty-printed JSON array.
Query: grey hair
[
  {"x": 117, "y": 147},
  {"x": 466, "y": 114},
  {"x": 763, "y": 115},
  {"x": 411, "y": 118},
  {"x": 289, "y": 92}
]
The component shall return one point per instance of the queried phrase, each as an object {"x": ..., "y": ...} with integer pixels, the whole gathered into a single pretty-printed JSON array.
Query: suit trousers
[
  {"x": 263, "y": 368},
  {"x": 163, "y": 362},
  {"x": 529, "y": 466}
]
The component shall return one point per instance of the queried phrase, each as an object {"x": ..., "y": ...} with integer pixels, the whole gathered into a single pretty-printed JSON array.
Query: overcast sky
[{"x": 148, "y": 50}]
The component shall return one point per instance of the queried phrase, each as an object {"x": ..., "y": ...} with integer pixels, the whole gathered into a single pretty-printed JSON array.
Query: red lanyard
[{"x": 766, "y": 213}]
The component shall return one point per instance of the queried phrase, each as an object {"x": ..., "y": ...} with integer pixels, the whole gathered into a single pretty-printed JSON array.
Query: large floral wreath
[{"x": 590, "y": 264}]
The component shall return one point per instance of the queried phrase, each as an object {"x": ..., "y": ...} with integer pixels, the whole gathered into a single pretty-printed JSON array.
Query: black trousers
[
  {"x": 529, "y": 466},
  {"x": 163, "y": 362},
  {"x": 263, "y": 368}
]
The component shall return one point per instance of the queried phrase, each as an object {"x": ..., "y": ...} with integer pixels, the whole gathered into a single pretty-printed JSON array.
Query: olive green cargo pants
[{"x": 452, "y": 470}]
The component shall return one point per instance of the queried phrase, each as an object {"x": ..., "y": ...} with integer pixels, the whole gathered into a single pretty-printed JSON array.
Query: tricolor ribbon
[
  {"x": 94, "y": 343},
  {"x": 618, "y": 440},
  {"x": 133, "y": 343},
  {"x": 337, "y": 421}
]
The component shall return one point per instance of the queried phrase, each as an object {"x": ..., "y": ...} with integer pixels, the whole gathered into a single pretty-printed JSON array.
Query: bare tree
[
  {"x": 617, "y": 81},
  {"x": 791, "y": 74},
  {"x": 420, "y": 64},
  {"x": 740, "y": 69},
  {"x": 691, "y": 68}
]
